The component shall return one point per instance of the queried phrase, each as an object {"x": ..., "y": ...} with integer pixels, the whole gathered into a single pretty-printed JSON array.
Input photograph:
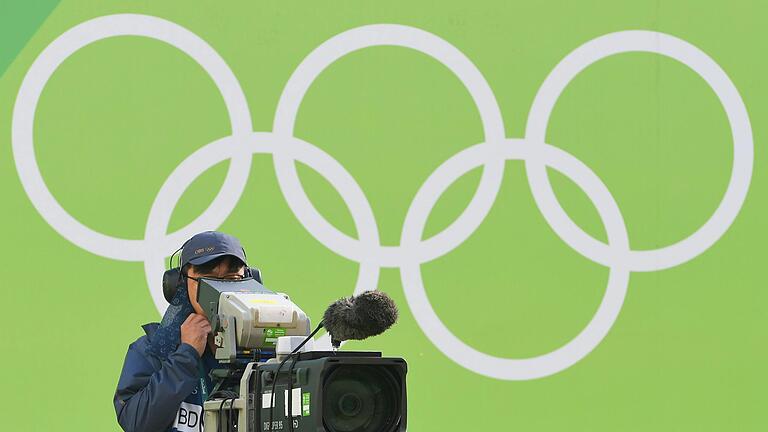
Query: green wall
[{"x": 687, "y": 350}]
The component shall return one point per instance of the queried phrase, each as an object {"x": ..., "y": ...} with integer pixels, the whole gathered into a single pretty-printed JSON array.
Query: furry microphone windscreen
[{"x": 359, "y": 317}]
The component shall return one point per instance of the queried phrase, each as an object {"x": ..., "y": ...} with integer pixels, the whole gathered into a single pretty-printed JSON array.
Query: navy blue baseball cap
[{"x": 210, "y": 245}]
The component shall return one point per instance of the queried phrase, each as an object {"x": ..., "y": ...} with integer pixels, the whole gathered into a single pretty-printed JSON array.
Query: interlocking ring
[{"x": 412, "y": 251}]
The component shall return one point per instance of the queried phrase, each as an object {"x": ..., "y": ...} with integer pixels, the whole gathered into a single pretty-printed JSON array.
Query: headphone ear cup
[
  {"x": 171, "y": 279},
  {"x": 254, "y": 273}
]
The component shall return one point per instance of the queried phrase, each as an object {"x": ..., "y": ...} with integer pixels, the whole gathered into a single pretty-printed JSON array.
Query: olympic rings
[{"x": 413, "y": 250}]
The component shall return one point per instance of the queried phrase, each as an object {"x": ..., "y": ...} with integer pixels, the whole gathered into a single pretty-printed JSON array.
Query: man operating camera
[{"x": 164, "y": 380}]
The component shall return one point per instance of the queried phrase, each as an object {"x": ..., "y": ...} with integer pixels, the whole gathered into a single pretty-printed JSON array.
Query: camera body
[
  {"x": 324, "y": 391},
  {"x": 315, "y": 391}
]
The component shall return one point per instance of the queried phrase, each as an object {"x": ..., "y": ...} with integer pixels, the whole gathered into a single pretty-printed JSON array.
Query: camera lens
[
  {"x": 350, "y": 404},
  {"x": 359, "y": 398}
]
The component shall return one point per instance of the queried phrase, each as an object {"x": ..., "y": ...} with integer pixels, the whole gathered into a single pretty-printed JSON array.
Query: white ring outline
[
  {"x": 618, "y": 279},
  {"x": 230, "y": 148},
  {"x": 285, "y": 117},
  {"x": 743, "y": 148},
  {"x": 26, "y": 104}
]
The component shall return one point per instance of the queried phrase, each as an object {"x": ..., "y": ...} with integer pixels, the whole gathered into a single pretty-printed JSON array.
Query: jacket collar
[{"x": 150, "y": 328}]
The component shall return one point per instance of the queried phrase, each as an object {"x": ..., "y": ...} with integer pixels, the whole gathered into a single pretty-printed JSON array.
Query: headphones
[{"x": 173, "y": 279}]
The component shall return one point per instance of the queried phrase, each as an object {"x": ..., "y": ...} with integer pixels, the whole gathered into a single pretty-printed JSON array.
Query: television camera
[{"x": 271, "y": 378}]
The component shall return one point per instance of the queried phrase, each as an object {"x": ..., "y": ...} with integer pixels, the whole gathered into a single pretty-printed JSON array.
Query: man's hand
[{"x": 195, "y": 331}]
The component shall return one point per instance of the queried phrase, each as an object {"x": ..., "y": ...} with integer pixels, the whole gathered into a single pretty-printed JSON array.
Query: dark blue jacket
[{"x": 155, "y": 395}]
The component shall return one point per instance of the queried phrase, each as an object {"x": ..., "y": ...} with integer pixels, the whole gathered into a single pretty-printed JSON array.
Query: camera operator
[{"x": 164, "y": 380}]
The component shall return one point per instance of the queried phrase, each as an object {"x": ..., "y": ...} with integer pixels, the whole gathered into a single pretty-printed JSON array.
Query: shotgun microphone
[{"x": 359, "y": 317}]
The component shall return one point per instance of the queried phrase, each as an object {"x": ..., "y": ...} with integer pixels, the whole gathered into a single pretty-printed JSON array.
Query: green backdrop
[{"x": 688, "y": 349}]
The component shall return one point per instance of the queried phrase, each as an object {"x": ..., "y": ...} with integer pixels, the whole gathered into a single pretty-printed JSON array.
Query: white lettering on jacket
[{"x": 189, "y": 418}]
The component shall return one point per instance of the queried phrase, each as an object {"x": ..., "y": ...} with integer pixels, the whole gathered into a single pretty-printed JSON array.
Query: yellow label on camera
[{"x": 262, "y": 301}]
